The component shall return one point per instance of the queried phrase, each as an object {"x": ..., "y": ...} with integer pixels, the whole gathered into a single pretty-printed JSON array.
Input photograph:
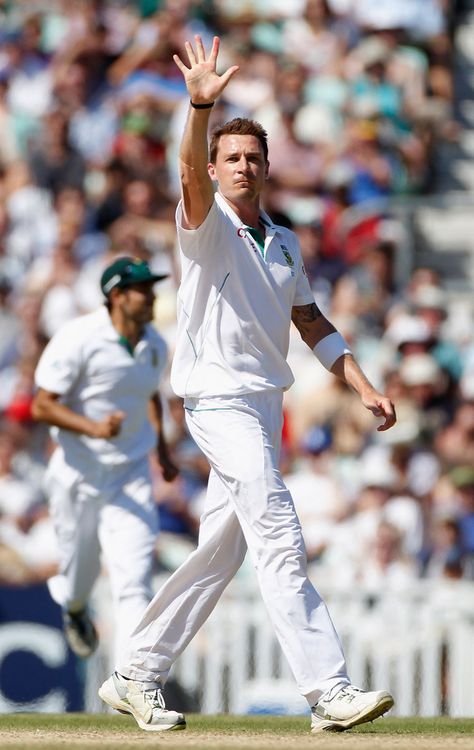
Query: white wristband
[{"x": 330, "y": 348}]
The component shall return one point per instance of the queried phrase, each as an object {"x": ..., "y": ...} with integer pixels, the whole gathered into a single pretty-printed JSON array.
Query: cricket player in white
[
  {"x": 242, "y": 284},
  {"x": 98, "y": 387}
]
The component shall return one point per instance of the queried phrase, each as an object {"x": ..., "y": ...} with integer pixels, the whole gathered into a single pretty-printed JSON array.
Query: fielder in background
[
  {"x": 98, "y": 387},
  {"x": 243, "y": 283}
]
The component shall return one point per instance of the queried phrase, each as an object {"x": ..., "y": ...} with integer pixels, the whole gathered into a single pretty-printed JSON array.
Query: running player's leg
[
  {"x": 128, "y": 530},
  {"x": 75, "y": 518},
  {"x": 74, "y": 512}
]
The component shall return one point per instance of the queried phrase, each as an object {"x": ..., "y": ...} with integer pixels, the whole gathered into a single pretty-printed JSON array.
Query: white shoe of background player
[
  {"x": 344, "y": 707},
  {"x": 146, "y": 705}
]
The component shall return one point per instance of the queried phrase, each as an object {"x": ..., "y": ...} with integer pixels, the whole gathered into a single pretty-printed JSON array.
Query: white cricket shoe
[
  {"x": 114, "y": 692},
  {"x": 147, "y": 706},
  {"x": 344, "y": 707},
  {"x": 80, "y": 633}
]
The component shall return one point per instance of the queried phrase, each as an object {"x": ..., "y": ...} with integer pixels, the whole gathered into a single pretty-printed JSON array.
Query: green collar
[
  {"x": 258, "y": 237},
  {"x": 126, "y": 345}
]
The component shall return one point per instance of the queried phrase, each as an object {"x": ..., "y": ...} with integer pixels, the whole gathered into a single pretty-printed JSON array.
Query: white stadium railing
[{"x": 419, "y": 644}]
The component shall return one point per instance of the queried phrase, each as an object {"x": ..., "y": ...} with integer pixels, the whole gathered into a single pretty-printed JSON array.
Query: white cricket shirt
[
  {"x": 95, "y": 375},
  {"x": 234, "y": 306}
]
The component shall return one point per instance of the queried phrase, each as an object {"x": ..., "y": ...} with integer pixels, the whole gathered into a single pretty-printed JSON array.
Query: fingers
[
  {"x": 198, "y": 55},
  {"x": 168, "y": 469},
  {"x": 389, "y": 422},
  {"x": 225, "y": 77},
  {"x": 214, "y": 51},
  {"x": 170, "y": 473},
  {"x": 191, "y": 55},
  {"x": 381, "y": 406},
  {"x": 114, "y": 427},
  {"x": 386, "y": 410},
  {"x": 115, "y": 422},
  {"x": 200, "y": 51},
  {"x": 118, "y": 415},
  {"x": 201, "y": 77},
  {"x": 180, "y": 64},
  {"x": 109, "y": 426}
]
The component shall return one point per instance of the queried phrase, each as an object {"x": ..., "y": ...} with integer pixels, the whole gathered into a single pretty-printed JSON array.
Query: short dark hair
[{"x": 238, "y": 126}]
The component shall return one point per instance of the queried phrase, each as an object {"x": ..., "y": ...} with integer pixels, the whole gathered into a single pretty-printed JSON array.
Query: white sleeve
[
  {"x": 303, "y": 293},
  {"x": 60, "y": 363},
  {"x": 203, "y": 239}
]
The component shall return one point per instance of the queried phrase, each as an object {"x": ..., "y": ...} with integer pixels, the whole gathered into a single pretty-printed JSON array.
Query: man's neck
[
  {"x": 129, "y": 329},
  {"x": 248, "y": 213}
]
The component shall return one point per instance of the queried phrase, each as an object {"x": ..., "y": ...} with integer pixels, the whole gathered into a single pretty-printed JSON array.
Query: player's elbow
[
  {"x": 40, "y": 407},
  {"x": 37, "y": 410}
]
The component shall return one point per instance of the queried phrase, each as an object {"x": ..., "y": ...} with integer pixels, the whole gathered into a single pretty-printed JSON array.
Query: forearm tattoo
[{"x": 311, "y": 323}]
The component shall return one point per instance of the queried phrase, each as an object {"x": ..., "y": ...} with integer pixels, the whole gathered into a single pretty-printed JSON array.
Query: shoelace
[
  {"x": 350, "y": 689},
  {"x": 344, "y": 691},
  {"x": 155, "y": 698},
  {"x": 348, "y": 692}
]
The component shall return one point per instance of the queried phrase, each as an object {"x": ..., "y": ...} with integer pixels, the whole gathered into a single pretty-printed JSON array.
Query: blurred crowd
[{"x": 356, "y": 96}]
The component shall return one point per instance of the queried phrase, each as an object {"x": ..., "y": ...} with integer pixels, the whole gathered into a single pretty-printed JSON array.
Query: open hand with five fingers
[{"x": 202, "y": 81}]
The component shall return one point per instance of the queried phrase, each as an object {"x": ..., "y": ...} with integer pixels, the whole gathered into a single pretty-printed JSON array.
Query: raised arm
[
  {"x": 328, "y": 346},
  {"x": 204, "y": 86}
]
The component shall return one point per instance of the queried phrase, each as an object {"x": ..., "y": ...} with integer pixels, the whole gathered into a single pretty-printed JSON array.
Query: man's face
[
  {"x": 136, "y": 301},
  {"x": 240, "y": 168}
]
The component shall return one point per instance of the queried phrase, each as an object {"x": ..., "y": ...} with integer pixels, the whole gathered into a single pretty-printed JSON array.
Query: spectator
[
  {"x": 462, "y": 478},
  {"x": 54, "y": 162},
  {"x": 25, "y": 530},
  {"x": 444, "y": 547},
  {"x": 386, "y": 567}
]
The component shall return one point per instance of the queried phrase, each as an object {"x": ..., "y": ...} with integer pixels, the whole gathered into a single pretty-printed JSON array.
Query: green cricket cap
[{"x": 126, "y": 271}]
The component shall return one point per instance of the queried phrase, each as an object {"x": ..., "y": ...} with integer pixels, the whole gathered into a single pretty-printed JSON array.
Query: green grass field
[{"x": 84, "y": 731}]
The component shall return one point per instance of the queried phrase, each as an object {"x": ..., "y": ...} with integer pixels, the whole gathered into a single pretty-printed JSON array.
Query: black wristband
[{"x": 201, "y": 106}]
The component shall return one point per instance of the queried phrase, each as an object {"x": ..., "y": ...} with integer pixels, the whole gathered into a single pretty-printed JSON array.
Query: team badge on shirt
[{"x": 289, "y": 259}]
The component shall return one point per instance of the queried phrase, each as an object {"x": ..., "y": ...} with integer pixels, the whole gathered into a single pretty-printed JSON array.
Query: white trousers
[
  {"x": 109, "y": 514},
  {"x": 247, "y": 505}
]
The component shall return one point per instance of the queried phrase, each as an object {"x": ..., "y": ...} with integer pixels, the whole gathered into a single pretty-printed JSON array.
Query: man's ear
[
  {"x": 211, "y": 170},
  {"x": 114, "y": 293},
  {"x": 267, "y": 169}
]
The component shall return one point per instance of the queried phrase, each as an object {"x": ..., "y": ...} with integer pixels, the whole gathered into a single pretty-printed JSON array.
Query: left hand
[
  {"x": 169, "y": 470},
  {"x": 380, "y": 406}
]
